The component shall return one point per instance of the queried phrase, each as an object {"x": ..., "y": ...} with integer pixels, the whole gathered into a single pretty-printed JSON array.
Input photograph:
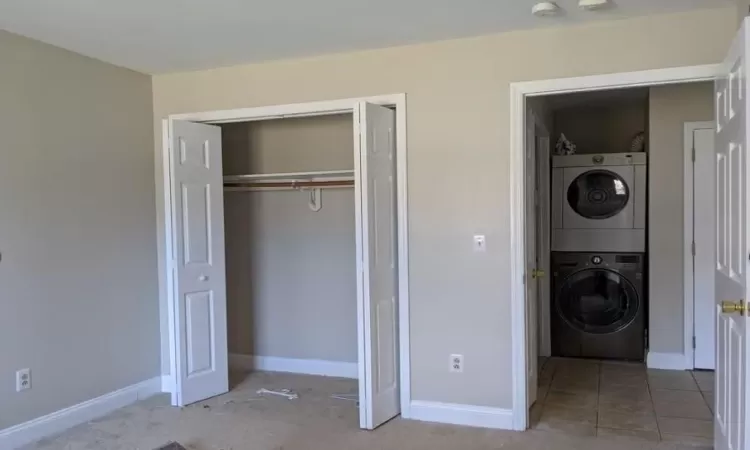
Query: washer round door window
[
  {"x": 598, "y": 194},
  {"x": 597, "y": 301}
]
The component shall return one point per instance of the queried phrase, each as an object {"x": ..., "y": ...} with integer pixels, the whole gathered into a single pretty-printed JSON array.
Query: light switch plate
[{"x": 480, "y": 243}]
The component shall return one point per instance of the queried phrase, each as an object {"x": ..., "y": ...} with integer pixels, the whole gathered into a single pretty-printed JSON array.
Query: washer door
[{"x": 597, "y": 301}]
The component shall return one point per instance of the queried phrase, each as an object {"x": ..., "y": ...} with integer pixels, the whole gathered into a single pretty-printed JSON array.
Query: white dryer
[{"x": 599, "y": 202}]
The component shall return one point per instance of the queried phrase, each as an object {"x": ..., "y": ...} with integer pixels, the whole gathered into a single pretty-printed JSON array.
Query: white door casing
[
  {"x": 375, "y": 160},
  {"x": 198, "y": 264},
  {"x": 532, "y": 313},
  {"x": 704, "y": 266},
  {"x": 731, "y": 397}
]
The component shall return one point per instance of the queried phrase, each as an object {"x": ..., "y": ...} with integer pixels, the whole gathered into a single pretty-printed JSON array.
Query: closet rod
[{"x": 289, "y": 184}]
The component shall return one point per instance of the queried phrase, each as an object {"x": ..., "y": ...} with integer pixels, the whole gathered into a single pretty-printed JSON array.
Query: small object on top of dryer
[
  {"x": 599, "y": 202},
  {"x": 638, "y": 143},
  {"x": 564, "y": 146}
]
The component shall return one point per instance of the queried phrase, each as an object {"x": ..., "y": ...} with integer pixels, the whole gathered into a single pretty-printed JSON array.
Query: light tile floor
[{"x": 624, "y": 400}]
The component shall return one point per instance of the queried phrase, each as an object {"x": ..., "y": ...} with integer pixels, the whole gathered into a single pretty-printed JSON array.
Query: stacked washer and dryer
[{"x": 599, "y": 209}]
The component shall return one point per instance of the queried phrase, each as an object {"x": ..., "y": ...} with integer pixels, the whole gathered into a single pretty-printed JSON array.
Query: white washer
[{"x": 599, "y": 202}]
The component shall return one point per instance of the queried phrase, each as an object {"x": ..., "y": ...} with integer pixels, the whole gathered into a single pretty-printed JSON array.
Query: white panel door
[
  {"x": 375, "y": 161},
  {"x": 732, "y": 398},
  {"x": 532, "y": 310},
  {"x": 543, "y": 244},
  {"x": 704, "y": 261},
  {"x": 198, "y": 267}
]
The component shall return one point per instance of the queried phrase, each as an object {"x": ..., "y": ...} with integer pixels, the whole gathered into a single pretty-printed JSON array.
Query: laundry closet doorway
[{"x": 198, "y": 189}]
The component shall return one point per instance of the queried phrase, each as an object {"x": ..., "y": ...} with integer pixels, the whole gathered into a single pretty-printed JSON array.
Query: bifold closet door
[
  {"x": 199, "y": 286},
  {"x": 375, "y": 161}
]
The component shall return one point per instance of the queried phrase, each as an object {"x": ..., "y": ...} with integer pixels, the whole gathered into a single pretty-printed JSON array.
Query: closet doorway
[{"x": 245, "y": 224}]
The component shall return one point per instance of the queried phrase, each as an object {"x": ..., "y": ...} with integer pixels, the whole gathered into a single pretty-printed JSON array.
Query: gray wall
[
  {"x": 670, "y": 108},
  {"x": 78, "y": 284},
  {"x": 458, "y": 161},
  {"x": 291, "y": 278},
  {"x": 602, "y": 128}
]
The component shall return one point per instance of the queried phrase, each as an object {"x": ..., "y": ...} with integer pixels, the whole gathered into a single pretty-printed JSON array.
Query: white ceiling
[{"x": 171, "y": 35}]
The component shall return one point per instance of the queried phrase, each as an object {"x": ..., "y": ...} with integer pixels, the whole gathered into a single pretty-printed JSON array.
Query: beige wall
[
  {"x": 670, "y": 108},
  {"x": 742, "y": 9},
  {"x": 291, "y": 273},
  {"x": 78, "y": 284},
  {"x": 458, "y": 118},
  {"x": 602, "y": 128}
]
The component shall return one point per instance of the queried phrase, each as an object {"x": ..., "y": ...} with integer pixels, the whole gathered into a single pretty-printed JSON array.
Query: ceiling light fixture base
[{"x": 545, "y": 9}]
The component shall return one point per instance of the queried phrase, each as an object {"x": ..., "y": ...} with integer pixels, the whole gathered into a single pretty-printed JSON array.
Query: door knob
[
  {"x": 203, "y": 278},
  {"x": 536, "y": 273},
  {"x": 729, "y": 307}
]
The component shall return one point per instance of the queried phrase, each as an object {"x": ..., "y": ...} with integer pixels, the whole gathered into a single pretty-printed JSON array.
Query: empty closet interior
[{"x": 289, "y": 211}]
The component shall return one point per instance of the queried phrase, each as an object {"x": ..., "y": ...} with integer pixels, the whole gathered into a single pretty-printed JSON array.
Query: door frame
[
  {"x": 688, "y": 230},
  {"x": 519, "y": 92},
  {"x": 295, "y": 110}
]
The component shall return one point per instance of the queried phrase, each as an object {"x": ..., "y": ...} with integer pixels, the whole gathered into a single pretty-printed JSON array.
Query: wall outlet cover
[
  {"x": 23, "y": 380},
  {"x": 457, "y": 363}
]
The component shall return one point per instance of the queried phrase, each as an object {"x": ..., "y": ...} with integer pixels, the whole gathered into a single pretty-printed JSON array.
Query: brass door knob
[
  {"x": 729, "y": 307},
  {"x": 536, "y": 273}
]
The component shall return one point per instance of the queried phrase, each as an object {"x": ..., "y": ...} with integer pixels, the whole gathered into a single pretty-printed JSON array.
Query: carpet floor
[{"x": 245, "y": 420}]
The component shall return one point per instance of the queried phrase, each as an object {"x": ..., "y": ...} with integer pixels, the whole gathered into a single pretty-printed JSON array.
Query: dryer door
[
  {"x": 597, "y": 301},
  {"x": 598, "y": 197}
]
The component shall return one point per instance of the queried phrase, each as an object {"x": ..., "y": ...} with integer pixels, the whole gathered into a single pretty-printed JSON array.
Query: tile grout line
[
  {"x": 598, "y": 395},
  {"x": 703, "y": 394},
  {"x": 653, "y": 407}
]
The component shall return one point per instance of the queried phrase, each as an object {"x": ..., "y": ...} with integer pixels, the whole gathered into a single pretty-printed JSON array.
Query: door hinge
[
  {"x": 693, "y": 248},
  {"x": 693, "y": 156},
  {"x": 693, "y": 342}
]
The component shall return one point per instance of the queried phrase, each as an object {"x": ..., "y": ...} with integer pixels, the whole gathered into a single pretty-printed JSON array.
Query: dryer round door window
[
  {"x": 598, "y": 194},
  {"x": 597, "y": 301}
]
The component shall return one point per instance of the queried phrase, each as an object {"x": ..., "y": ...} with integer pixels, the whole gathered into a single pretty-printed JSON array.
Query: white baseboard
[
  {"x": 167, "y": 384},
  {"x": 456, "y": 414},
  {"x": 304, "y": 366},
  {"x": 61, "y": 420},
  {"x": 669, "y": 361}
]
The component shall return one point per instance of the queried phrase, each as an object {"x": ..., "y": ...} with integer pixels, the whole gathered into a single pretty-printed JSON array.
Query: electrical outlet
[
  {"x": 457, "y": 363},
  {"x": 23, "y": 380}
]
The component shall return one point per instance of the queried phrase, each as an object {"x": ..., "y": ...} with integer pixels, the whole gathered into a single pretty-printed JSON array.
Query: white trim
[
  {"x": 292, "y": 365},
  {"x": 467, "y": 415},
  {"x": 653, "y": 77},
  {"x": 518, "y": 93},
  {"x": 287, "y": 111},
  {"x": 169, "y": 258},
  {"x": 166, "y": 384},
  {"x": 688, "y": 237},
  {"x": 687, "y": 260},
  {"x": 669, "y": 361},
  {"x": 59, "y": 421}
]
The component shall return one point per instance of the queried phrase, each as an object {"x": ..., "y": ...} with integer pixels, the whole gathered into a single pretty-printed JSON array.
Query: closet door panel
[
  {"x": 199, "y": 279},
  {"x": 379, "y": 388}
]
